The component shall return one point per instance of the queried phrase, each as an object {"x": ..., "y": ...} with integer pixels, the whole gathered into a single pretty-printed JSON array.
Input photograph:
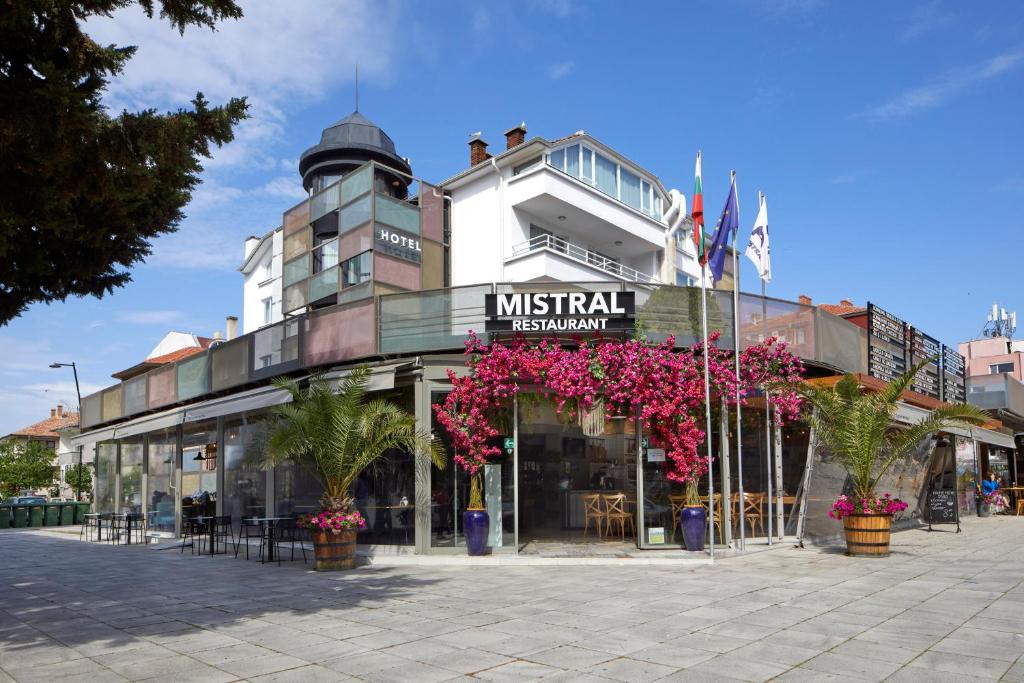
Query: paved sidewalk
[{"x": 944, "y": 607}]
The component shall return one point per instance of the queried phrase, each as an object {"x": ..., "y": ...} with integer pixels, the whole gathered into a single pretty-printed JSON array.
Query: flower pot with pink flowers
[{"x": 857, "y": 427}]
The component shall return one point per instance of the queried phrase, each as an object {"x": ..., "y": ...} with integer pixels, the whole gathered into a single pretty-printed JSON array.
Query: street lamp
[{"x": 78, "y": 392}]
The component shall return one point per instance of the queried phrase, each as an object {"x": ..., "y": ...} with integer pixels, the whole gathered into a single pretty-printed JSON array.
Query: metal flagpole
[
  {"x": 707, "y": 404},
  {"x": 736, "y": 357},
  {"x": 767, "y": 409}
]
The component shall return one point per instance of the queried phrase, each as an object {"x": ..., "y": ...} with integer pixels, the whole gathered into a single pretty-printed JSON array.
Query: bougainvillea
[
  {"x": 844, "y": 506},
  {"x": 661, "y": 386}
]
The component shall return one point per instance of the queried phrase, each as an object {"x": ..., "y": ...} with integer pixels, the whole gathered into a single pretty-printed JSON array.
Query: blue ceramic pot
[
  {"x": 693, "y": 520},
  {"x": 476, "y": 524}
]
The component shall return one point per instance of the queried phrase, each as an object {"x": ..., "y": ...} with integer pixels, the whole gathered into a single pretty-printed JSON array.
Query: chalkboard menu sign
[
  {"x": 953, "y": 376},
  {"x": 922, "y": 347},
  {"x": 887, "y": 344},
  {"x": 942, "y": 508}
]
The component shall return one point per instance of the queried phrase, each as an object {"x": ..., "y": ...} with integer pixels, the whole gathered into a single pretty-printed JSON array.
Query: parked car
[{"x": 26, "y": 500}]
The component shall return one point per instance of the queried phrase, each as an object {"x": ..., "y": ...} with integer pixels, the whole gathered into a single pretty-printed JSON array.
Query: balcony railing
[{"x": 581, "y": 255}]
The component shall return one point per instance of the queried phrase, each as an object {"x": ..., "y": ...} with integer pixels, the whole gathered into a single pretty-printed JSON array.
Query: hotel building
[{"x": 380, "y": 268}]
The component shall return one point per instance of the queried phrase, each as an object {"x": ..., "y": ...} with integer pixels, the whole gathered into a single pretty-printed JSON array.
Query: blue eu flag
[{"x": 727, "y": 226}]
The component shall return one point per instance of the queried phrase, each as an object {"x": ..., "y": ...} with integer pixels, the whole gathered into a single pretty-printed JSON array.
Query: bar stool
[
  {"x": 220, "y": 527},
  {"x": 193, "y": 529},
  {"x": 249, "y": 524}
]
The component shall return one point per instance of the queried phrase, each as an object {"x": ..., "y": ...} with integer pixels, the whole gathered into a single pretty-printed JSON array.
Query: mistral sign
[{"x": 560, "y": 311}]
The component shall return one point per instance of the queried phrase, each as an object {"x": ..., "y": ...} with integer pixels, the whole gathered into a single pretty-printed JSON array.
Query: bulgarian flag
[{"x": 697, "y": 214}]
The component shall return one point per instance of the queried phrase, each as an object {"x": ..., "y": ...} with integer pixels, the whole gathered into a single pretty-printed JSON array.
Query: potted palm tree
[
  {"x": 336, "y": 435},
  {"x": 857, "y": 427}
]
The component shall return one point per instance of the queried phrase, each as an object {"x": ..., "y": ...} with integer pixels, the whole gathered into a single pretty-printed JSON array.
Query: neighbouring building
[
  {"x": 380, "y": 268},
  {"x": 55, "y": 433},
  {"x": 995, "y": 382}
]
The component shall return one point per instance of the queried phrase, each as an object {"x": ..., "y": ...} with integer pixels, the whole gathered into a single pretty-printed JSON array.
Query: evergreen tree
[{"x": 83, "y": 193}]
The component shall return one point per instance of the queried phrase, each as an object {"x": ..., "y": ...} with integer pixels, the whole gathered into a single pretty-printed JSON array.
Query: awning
[
  {"x": 254, "y": 399},
  {"x": 150, "y": 423},
  {"x": 382, "y": 377},
  {"x": 995, "y": 438},
  {"x": 93, "y": 437}
]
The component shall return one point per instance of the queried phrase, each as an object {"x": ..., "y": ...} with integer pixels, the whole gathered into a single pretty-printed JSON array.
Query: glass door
[
  {"x": 199, "y": 470},
  {"x": 161, "y": 490}
]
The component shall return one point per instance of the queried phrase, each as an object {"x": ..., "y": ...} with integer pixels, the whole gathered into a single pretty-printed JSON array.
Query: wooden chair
[
  {"x": 718, "y": 511},
  {"x": 753, "y": 511},
  {"x": 615, "y": 513},
  {"x": 678, "y": 502},
  {"x": 1020, "y": 505},
  {"x": 592, "y": 511}
]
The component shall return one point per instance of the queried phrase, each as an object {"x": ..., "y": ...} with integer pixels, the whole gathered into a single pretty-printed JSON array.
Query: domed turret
[{"x": 348, "y": 144}]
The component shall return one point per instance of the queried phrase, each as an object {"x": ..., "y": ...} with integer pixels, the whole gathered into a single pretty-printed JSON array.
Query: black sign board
[
  {"x": 922, "y": 348},
  {"x": 943, "y": 508},
  {"x": 954, "y": 381},
  {"x": 887, "y": 344},
  {"x": 571, "y": 312}
]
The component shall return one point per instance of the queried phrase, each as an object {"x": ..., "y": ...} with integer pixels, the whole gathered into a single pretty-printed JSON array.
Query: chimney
[
  {"x": 217, "y": 336},
  {"x": 250, "y": 244},
  {"x": 806, "y": 300},
  {"x": 477, "y": 149},
  {"x": 60, "y": 410},
  {"x": 53, "y": 412},
  {"x": 845, "y": 302},
  {"x": 515, "y": 136},
  {"x": 232, "y": 327}
]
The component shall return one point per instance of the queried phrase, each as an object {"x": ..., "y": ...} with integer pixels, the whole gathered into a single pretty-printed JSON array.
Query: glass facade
[
  {"x": 131, "y": 475},
  {"x": 245, "y": 481},
  {"x": 608, "y": 176},
  {"x": 163, "y": 447},
  {"x": 104, "y": 494},
  {"x": 199, "y": 469}
]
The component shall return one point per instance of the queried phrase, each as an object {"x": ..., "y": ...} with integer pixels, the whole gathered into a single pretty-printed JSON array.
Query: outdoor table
[
  {"x": 266, "y": 525},
  {"x": 208, "y": 520}
]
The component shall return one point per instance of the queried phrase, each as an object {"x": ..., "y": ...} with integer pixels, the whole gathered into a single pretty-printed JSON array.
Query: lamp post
[{"x": 78, "y": 392}]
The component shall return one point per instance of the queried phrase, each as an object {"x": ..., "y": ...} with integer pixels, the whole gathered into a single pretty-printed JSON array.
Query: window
[
  {"x": 629, "y": 188},
  {"x": 998, "y": 368},
  {"x": 557, "y": 159},
  {"x": 572, "y": 160},
  {"x": 588, "y": 165},
  {"x": 357, "y": 269},
  {"x": 268, "y": 305},
  {"x": 263, "y": 272},
  {"x": 684, "y": 280},
  {"x": 646, "y": 197},
  {"x": 607, "y": 176}
]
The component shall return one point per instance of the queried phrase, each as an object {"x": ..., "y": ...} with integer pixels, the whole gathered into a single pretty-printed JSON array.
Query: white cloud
[
  {"x": 164, "y": 318},
  {"x": 481, "y": 19},
  {"x": 927, "y": 18},
  {"x": 561, "y": 70},
  {"x": 945, "y": 88},
  {"x": 286, "y": 186},
  {"x": 844, "y": 179}
]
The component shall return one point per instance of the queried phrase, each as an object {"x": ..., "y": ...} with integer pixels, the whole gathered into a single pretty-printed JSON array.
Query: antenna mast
[
  {"x": 1000, "y": 323},
  {"x": 357, "y": 86}
]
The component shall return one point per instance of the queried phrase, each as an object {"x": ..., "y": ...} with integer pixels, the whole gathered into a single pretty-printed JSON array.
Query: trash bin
[
  {"x": 19, "y": 514},
  {"x": 51, "y": 514},
  {"x": 67, "y": 514},
  {"x": 80, "y": 511},
  {"x": 35, "y": 515},
  {"x": 5, "y": 516}
]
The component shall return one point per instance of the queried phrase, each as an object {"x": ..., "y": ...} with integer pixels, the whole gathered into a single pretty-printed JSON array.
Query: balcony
[
  {"x": 996, "y": 392},
  {"x": 580, "y": 255}
]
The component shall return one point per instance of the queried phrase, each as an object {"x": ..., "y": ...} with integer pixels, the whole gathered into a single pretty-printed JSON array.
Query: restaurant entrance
[{"x": 577, "y": 476}]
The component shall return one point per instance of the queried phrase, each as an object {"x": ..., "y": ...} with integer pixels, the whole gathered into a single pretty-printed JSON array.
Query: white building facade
[{"x": 261, "y": 273}]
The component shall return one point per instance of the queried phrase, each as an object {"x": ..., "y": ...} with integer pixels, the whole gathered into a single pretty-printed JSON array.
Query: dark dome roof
[{"x": 353, "y": 139}]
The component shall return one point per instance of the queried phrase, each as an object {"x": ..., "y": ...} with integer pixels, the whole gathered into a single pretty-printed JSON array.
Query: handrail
[{"x": 582, "y": 255}]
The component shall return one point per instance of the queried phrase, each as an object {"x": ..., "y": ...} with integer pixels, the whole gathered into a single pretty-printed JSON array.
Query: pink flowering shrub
[
  {"x": 847, "y": 505},
  {"x": 334, "y": 522},
  {"x": 995, "y": 498},
  {"x": 663, "y": 385}
]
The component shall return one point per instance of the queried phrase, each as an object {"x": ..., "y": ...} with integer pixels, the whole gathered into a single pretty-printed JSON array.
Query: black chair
[
  {"x": 282, "y": 532},
  {"x": 88, "y": 527},
  {"x": 220, "y": 527},
  {"x": 250, "y": 527},
  {"x": 195, "y": 529},
  {"x": 110, "y": 520},
  {"x": 134, "y": 523}
]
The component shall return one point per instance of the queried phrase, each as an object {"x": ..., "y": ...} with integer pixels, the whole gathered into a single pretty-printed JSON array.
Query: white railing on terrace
[{"x": 581, "y": 255}]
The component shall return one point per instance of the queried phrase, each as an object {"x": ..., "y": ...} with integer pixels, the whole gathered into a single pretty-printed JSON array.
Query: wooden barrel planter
[
  {"x": 334, "y": 552},
  {"x": 867, "y": 535}
]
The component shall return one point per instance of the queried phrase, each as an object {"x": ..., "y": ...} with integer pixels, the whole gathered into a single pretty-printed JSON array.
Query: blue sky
[{"x": 886, "y": 135}]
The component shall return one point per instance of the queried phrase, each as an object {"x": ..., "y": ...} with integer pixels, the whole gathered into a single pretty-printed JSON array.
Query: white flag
[{"x": 757, "y": 249}]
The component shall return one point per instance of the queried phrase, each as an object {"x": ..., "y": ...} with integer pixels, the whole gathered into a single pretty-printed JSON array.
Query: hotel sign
[
  {"x": 398, "y": 243},
  {"x": 560, "y": 312}
]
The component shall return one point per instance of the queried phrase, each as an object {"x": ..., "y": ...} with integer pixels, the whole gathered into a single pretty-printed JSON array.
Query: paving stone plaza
[{"x": 943, "y": 607}]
